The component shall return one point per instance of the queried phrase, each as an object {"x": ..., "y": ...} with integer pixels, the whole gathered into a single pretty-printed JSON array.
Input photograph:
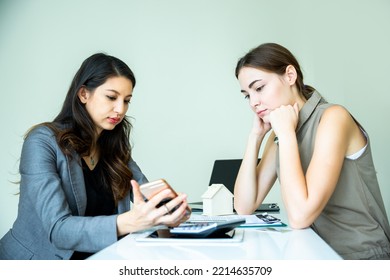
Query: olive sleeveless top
[{"x": 354, "y": 221}]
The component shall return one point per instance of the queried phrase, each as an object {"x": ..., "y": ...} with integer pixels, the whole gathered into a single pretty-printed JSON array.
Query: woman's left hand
[{"x": 284, "y": 119}]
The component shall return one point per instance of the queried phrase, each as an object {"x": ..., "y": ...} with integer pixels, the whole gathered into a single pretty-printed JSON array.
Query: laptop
[{"x": 225, "y": 172}]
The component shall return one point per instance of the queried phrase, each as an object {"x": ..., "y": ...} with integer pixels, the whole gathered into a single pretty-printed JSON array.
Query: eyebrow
[{"x": 251, "y": 84}]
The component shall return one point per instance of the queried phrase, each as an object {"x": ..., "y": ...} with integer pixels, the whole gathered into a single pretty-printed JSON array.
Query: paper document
[{"x": 255, "y": 220}]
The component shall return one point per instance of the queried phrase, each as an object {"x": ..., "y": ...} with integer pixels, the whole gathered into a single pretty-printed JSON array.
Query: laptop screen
[{"x": 225, "y": 172}]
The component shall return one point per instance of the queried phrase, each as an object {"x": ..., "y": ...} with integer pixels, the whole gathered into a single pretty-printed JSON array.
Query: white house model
[{"x": 217, "y": 200}]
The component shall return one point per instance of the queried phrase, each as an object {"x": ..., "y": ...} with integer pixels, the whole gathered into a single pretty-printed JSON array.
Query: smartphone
[{"x": 150, "y": 189}]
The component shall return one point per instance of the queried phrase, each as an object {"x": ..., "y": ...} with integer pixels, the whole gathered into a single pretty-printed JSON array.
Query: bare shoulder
[
  {"x": 338, "y": 116},
  {"x": 338, "y": 122},
  {"x": 336, "y": 126},
  {"x": 337, "y": 111}
]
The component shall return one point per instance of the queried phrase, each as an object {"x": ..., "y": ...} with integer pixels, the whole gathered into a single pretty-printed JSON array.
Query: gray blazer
[{"x": 52, "y": 203}]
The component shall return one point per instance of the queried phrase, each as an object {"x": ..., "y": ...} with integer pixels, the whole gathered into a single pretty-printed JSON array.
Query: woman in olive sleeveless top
[{"x": 318, "y": 151}]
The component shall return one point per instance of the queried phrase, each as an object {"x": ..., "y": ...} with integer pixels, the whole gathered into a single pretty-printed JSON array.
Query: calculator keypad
[{"x": 193, "y": 227}]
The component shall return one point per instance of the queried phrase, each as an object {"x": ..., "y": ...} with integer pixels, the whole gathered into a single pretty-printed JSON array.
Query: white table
[{"x": 257, "y": 244}]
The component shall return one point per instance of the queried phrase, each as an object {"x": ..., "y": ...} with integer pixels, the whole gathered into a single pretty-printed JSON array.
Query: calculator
[{"x": 203, "y": 229}]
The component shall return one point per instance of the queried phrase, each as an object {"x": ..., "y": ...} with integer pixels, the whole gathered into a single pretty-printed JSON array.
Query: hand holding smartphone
[{"x": 150, "y": 189}]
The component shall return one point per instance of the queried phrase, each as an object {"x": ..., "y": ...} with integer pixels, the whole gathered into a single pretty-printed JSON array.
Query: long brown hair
[
  {"x": 75, "y": 130},
  {"x": 274, "y": 58}
]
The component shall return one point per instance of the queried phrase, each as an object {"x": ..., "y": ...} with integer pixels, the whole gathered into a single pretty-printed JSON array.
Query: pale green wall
[{"x": 187, "y": 104}]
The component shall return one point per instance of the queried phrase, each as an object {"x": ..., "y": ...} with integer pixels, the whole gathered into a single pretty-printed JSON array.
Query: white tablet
[{"x": 164, "y": 235}]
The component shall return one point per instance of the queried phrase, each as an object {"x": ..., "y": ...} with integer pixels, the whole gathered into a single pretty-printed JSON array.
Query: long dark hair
[
  {"x": 274, "y": 58},
  {"x": 75, "y": 130}
]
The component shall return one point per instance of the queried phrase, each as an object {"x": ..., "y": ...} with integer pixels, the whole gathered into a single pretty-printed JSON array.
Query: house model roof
[{"x": 214, "y": 189}]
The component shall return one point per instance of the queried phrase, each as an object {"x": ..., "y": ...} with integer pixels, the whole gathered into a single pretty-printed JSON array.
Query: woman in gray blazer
[{"x": 78, "y": 176}]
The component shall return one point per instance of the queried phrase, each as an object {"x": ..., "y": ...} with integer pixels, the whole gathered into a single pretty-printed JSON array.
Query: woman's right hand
[
  {"x": 145, "y": 215},
  {"x": 259, "y": 127}
]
